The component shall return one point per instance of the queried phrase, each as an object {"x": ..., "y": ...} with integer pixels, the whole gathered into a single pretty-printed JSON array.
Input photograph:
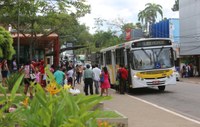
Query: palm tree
[
  {"x": 149, "y": 14},
  {"x": 152, "y": 9},
  {"x": 144, "y": 18}
]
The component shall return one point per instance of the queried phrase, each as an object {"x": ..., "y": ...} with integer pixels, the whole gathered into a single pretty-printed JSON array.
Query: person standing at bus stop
[
  {"x": 4, "y": 71},
  {"x": 88, "y": 80},
  {"x": 97, "y": 72},
  {"x": 122, "y": 76},
  {"x": 105, "y": 84}
]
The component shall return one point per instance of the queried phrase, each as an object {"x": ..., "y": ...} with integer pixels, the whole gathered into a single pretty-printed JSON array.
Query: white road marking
[{"x": 164, "y": 109}]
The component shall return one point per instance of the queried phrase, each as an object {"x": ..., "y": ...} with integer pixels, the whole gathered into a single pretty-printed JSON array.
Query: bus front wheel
[{"x": 161, "y": 88}]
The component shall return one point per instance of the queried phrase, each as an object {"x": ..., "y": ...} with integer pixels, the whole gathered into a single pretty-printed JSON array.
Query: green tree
[
  {"x": 128, "y": 26},
  {"x": 43, "y": 16},
  {"x": 143, "y": 17},
  {"x": 84, "y": 38},
  {"x": 153, "y": 9},
  {"x": 106, "y": 39},
  {"x": 176, "y": 6},
  {"x": 6, "y": 49},
  {"x": 138, "y": 25}
]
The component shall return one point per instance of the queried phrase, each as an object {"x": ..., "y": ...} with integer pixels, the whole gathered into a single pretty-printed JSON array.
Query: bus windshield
[{"x": 156, "y": 58}]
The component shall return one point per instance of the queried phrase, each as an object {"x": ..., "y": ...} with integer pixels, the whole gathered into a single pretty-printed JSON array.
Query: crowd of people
[
  {"x": 189, "y": 70},
  {"x": 66, "y": 73}
]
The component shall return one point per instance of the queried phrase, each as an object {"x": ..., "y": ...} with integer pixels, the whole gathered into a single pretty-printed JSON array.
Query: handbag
[
  {"x": 102, "y": 78},
  {"x": 32, "y": 76}
]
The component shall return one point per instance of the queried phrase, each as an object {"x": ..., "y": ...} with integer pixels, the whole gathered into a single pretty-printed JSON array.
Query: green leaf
[
  {"x": 3, "y": 90},
  {"x": 16, "y": 86},
  {"x": 43, "y": 102}
]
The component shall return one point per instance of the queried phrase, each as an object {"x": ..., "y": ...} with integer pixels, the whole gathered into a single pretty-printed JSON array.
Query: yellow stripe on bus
[{"x": 154, "y": 74}]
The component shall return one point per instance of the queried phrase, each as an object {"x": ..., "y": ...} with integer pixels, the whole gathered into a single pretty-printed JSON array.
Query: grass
[{"x": 108, "y": 114}]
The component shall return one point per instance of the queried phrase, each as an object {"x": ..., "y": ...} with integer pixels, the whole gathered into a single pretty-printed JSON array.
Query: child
[{"x": 37, "y": 75}]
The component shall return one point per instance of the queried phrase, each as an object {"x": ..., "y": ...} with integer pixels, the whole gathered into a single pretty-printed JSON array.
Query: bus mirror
[{"x": 175, "y": 55}]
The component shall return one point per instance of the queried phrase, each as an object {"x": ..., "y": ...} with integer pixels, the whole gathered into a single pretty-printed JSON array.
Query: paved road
[{"x": 182, "y": 98}]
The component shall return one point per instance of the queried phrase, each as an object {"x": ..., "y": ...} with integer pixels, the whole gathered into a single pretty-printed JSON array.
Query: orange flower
[
  {"x": 103, "y": 124},
  {"x": 25, "y": 102},
  {"x": 52, "y": 89}
]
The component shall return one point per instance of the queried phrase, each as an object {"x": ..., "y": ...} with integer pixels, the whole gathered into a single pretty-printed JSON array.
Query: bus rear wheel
[{"x": 161, "y": 88}]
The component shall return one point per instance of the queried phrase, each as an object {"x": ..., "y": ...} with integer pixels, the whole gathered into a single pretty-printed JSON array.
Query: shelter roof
[{"x": 40, "y": 41}]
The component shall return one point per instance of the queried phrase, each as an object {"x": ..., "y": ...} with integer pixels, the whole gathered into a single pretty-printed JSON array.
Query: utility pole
[{"x": 18, "y": 40}]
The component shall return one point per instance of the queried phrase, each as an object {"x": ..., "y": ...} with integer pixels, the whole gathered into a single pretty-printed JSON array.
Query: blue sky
[{"x": 124, "y": 9}]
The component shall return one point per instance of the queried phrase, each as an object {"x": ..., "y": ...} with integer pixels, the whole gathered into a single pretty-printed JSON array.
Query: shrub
[{"x": 55, "y": 107}]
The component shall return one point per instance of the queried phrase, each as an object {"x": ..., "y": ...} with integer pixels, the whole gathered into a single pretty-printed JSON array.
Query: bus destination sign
[{"x": 151, "y": 43}]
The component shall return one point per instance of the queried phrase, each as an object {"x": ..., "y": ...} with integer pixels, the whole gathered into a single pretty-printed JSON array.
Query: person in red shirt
[
  {"x": 42, "y": 71},
  {"x": 122, "y": 76}
]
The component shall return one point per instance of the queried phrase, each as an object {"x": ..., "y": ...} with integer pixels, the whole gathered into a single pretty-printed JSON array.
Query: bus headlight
[{"x": 135, "y": 76}]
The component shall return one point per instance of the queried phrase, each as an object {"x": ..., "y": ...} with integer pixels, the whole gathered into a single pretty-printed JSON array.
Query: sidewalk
[
  {"x": 195, "y": 80},
  {"x": 141, "y": 114}
]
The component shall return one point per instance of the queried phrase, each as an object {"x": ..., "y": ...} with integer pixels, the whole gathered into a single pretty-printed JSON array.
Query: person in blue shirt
[{"x": 59, "y": 76}]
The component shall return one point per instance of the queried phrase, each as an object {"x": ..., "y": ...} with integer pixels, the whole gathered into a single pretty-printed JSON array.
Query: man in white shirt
[{"x": 96, "y": 79}]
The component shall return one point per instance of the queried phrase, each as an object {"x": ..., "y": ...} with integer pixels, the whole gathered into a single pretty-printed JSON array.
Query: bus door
[
  {"x": 104, "y": 59},
  {"x": 119, "y": 57},
  {"x": 128, "y": 66},
  {"x": 113, "y": 77},
  {"x": 109, "y": 59},
  {"x": 101, "y": 60}
]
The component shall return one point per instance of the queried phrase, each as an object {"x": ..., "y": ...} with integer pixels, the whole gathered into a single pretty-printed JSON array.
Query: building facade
[
  {"x": 189, "y": 14},
  {"x": 189, "y": 27}
]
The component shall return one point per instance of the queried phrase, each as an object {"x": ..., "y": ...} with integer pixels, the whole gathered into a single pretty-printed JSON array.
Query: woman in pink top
[
  {"x": 37, "y": 75},
  {"x": 28, "y": 68},
  {"x": 105, "y": 84}
]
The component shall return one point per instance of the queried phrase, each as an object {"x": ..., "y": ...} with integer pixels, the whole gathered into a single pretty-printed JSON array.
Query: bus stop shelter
[{"x": 39, "y": 43}]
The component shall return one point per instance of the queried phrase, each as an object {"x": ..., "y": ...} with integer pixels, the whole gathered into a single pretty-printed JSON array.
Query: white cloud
[{"x": 126, "y": 9}]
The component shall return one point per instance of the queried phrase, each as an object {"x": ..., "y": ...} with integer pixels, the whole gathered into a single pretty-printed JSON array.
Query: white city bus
[{"x": 150, "y": 62}]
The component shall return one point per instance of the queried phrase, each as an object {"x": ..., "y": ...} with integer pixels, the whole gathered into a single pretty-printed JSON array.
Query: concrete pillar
[{"x": 56, "y": 52}]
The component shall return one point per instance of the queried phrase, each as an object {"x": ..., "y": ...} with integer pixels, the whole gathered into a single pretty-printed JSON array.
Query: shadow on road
[{"x": 147, "y": 91}]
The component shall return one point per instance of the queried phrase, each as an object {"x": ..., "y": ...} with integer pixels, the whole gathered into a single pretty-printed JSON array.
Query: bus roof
[{"x": 129, "y": 43}]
